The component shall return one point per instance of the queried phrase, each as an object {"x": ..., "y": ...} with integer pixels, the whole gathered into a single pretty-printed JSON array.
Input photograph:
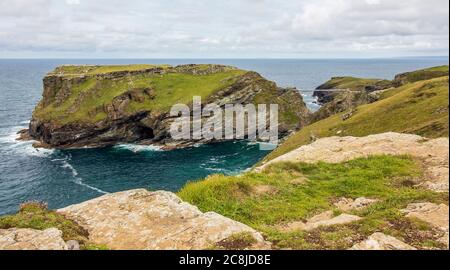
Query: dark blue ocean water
[{"x": 66, "y": 177}]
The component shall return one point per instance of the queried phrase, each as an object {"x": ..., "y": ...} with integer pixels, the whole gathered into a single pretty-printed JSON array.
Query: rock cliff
[{"x": 104, "y": 105}]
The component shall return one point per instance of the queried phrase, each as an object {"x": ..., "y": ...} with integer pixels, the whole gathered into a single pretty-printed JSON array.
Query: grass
[
  {"x": 418, "y": 108},
  {"x": 87, "y": 100},
  {"x": 36, "y": 216},
  {"x": 380, "y": 177}
]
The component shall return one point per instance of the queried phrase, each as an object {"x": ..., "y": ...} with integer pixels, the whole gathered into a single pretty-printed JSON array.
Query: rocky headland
[{"x": 105, "y": 105}]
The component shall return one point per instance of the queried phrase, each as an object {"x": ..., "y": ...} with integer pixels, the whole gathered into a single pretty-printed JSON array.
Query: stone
[
  {"x": 73, "y": 245},
  {"x": 30, "y": 239},
  {"x": 322, "y": 220},
  {"x": 380, "y": 241},
  {"x": 345, "y": 204},
  {"x": 143, "y": 220},
  {"x": 264, "y": 190},
  {"x": 434, "y": 154},
  {"x": 433, "y": 214}
]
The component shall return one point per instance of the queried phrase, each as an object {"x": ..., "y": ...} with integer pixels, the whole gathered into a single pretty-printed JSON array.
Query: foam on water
[
  {"x": 76, "y": 179},
  {"x": 136, "y": 148}
]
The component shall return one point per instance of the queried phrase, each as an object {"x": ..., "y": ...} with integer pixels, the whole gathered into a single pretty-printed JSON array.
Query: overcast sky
[{"x": 223, "y": 29}]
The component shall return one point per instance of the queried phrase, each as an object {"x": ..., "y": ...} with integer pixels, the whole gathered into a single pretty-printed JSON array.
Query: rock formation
[
  {"x": 29, "y": 239},
  {"x": 143, "y": 220},
  {"x": 104, "y": 105}
]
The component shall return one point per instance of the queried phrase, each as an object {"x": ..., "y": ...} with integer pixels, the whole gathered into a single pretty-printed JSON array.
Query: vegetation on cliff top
[
  {"x": 35, "y": 215},
  {"x": 289, "y": 192},
  {"x": 418, "y": 108},
  {"x": 420, "y": 75},
  {"x": 85, "y": 102},
  {"x": 351, "y": 83}
]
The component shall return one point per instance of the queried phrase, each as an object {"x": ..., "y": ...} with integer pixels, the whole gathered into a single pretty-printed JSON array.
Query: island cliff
[{"x": 105, "y": 105}]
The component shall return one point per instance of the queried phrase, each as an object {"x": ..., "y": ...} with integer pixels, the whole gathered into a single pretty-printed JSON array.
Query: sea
[{"x": 65, "y": 177}]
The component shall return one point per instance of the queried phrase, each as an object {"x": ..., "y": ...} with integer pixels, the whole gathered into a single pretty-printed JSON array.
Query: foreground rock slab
[
  {"x": 380, "y": 241},
  {"x": 29, "y": 239},
  {"x": 143, "y": 220},
  {"x": 433, "y": 153}
]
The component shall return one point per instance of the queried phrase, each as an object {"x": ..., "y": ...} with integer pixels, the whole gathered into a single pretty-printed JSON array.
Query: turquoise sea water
[{"x": 65, "y": 177}]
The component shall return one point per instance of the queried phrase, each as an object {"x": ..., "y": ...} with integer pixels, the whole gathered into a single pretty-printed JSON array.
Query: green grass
[
  {"x": 380, "y": 177},
  {"x": 419, "y": 108},
  {"x": 87, "y": 100},
  {"x": 36, "y": 216}
]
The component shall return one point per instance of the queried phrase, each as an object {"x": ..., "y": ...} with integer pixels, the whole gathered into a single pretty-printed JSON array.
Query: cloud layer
[{"x": 234, "y": 28}]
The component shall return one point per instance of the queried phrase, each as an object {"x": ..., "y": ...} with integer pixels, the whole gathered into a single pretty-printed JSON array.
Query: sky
[{"x": 223, "y": 29}]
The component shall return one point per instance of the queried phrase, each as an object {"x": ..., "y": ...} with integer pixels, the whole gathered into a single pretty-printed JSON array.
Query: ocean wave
[
  {"x": 10, "y": 144},
  {"x": 76, "y": 179},
  {"x": 136, "y": 148}
]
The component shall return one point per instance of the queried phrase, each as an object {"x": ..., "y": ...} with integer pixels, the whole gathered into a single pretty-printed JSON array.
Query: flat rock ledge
[
  {"x": 143, "y": 220},
  {"x": 380, "y": 241},
  {"x": 29, "y": 239},
  {"x": 433, "y": 153}
]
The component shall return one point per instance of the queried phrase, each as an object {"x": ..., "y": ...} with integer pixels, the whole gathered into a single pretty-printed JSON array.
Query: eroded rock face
[
  {"x": 143, "y": 220},
  {"x": 433, "y": 153},
  {"x": 29, "y": 239},
  {"x": 380, "y": 241}
]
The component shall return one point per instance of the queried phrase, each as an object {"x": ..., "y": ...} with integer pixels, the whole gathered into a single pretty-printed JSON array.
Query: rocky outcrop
[
  {"x": 78, "y": 110},
  {"x": 434, "y": 154},
  {"x": 343, "y": 93},
  {"x": 143, "y": 220},
  {"x": 29, "y": 239},
  {"x": 380, "y": 241}
]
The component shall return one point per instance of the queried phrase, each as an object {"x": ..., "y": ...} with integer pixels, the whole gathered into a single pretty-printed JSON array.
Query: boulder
[
  {"x": 143, "y": 220},
  {"x": 30, "y": 239},
  {"x": 379, "y": 241},
  {"x": 433, "y": 214},
  {"x": 345, "y": 204}
]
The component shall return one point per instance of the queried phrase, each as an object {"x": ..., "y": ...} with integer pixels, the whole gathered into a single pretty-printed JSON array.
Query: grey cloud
[{"x": 235, "y": 28}]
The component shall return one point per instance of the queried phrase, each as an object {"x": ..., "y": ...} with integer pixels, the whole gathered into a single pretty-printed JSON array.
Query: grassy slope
[
  {"x": 419, "y": 108},
  {"x": 381, "y": 177},
  {"x": 92, "y": 95}
]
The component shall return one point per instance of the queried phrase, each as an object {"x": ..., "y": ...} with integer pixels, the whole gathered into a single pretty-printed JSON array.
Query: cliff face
[{"x": 104, "y": 105}]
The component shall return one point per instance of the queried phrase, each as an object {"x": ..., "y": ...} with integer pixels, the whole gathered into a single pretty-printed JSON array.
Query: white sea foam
[
  {"x": 76, "y": 179},
  {"x": 10, "y": 144},
  {"x": 136, "y": 148}
]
